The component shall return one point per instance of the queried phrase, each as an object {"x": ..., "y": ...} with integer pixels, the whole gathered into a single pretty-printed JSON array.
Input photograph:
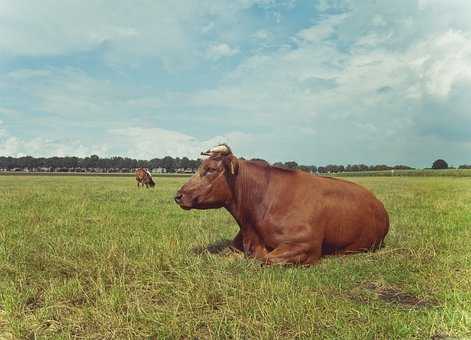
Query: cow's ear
[{"x": 231, "y": 164}]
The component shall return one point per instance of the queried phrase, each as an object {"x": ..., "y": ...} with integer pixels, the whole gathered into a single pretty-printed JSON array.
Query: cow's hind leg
[
  {"x": 294, "y": 253},
  {"x": 360, "y": 246}
]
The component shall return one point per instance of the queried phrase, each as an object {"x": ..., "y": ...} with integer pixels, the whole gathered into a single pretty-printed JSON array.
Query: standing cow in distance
[
  {"x": 286, "y": 216},
  {"x": 144, "y": 177}
]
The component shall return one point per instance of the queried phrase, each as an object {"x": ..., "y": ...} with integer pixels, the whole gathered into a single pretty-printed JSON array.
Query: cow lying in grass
[
  {"x": 286, "y": 216},
  {"x": 144, "y": 178}
]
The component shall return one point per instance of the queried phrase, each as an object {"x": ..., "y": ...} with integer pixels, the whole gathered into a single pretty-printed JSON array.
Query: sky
[{"x": 317, "y": 82}]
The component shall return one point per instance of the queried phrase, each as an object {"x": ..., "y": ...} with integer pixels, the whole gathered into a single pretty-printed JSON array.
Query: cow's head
[{"x": 210, "y": 187}]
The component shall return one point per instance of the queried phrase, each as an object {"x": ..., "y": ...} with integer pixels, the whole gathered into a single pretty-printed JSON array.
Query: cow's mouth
[
  {"x": 184, "y": 207},
  {"x": 179, "y": 199}
]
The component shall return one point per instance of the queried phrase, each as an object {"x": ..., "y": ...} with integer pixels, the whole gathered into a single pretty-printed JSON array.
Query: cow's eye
[{"x": 210, "y": 171}]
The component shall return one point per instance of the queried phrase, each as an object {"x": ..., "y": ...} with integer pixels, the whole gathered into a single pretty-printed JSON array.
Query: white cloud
[
  {"x": 442, "y": 61},
  {"x": 5, "y": 111},
  {"x": 152, "y": 142},
  {"x": 44, "y": 147},
  {"x": 123, "y": 31},
  {"x": 136, "y": 142},
  {"x": 23, "y": 74},
  {"x": 220, "y": 50},
  {"x": 69, "y": 93},
  {"x": 370, "y": 94},
  {"x": 208, "y": 27},
  {"x": 149, "y": 142},
  {"x": 263, "y": 34},
  {"x": 322, "y": 30}
]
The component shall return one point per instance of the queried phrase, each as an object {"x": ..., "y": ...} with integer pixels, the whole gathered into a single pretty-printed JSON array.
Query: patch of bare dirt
[
  {"x": 389, "y": 294},
  {"x": 218, "y": 247},
  {"x": 440, "y": 336},
  {"x": 396, "y": 296}
]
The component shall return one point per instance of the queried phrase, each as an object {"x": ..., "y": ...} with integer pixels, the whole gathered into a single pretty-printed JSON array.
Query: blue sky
[{"x": 317, "y": 82}]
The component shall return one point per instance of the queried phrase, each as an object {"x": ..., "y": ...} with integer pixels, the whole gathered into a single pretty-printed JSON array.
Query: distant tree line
[
  {"x": 94, "y": 163},
  {"x": 332, "y": 168}
]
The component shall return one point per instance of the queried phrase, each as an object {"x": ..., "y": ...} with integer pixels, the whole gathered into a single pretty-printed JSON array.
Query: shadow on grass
[
  {"x": 219, "y": 247},
  {"x": 392, "y": 295}
]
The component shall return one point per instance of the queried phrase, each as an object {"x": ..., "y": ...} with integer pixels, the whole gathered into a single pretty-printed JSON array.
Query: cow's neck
[{"x": 248, "y": 189}]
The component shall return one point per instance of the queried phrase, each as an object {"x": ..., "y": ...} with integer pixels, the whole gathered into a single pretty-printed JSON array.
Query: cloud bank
[{"x": 351, "y": 82}]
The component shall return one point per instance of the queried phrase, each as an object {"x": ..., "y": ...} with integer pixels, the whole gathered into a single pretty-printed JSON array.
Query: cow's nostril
[{"x": 178, "y": 198}]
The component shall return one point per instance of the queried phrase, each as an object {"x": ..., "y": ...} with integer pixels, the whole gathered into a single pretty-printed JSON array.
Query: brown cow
[
  {"x": 144, "y": 177},
  {"x": 286, "y": 216}
]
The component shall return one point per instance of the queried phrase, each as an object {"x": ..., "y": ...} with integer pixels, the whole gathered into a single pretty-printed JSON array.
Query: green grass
[{"x": 95, "y": 258}]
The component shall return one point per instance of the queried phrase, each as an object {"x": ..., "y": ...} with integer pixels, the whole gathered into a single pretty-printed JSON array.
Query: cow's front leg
[
  {"x": 294, "y": 253},
  {"x": 253, "y": 245},
  {"x": 237, "y": 243}
]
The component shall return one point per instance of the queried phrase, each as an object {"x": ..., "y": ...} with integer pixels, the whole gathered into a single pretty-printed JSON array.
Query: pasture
[{"x": 96, "y": 258}]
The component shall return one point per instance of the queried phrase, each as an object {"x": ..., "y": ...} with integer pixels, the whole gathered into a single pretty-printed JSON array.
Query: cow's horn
[{"x": 220, "y": 150}]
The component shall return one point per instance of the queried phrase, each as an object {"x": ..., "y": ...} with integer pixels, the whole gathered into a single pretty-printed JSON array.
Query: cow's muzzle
[
  {"x": 181, "y": 201},
  {"x": 178, "y": 198}
]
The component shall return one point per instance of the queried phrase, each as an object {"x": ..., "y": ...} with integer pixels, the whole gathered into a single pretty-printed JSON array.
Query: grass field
[{"x": 95, "y": 258}]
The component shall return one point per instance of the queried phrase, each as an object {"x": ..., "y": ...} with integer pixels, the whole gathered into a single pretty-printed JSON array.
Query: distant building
[
  {"x": 184, "y": 171},
  {"x": 159, "y": 170}
]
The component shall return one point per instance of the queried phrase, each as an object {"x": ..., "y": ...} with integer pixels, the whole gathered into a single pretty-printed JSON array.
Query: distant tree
[
  {"x": 379, "y": 167},
  {"x": 440, "y": 164},
  {"x": 141, "y": 163},
  {"x": 185, "y": 163},
  {"x": 278, "y": 164},
  {"x": 307, "y": 168},
  {"x": 195, "y": 164},
  {"x": 55, "y": 162},
  {"x": 168, "y": 163},
  {"x": 94, "y": 159},
  {"x": 154, "y": 163},
  {"x": 177, "y": 163},
  {"x": 291, "y": 165},
  {"x": 70, "y": 162},
  {"x": 260, "y": 161},
  {"x": 402, "y": 167}
]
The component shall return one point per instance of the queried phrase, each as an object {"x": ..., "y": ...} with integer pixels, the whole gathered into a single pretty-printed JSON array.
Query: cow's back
[{"x": 339, "y": 211}]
